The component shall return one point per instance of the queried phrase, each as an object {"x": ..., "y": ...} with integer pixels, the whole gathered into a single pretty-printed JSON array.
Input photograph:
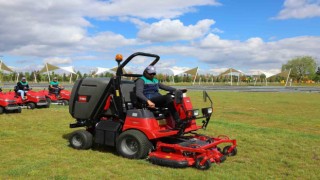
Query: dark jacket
[
  {"x": 22, "y": 86},
  {"x": 143, "y": 89}
]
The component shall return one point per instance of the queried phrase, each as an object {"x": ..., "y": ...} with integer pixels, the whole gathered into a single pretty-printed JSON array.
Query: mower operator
[
  {"x": 147, "y": 90},
  {"x": 55, "y": 87},
  {"x": 22, "y": 87}
]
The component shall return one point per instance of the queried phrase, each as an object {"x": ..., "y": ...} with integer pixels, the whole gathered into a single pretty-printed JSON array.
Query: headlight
[
  {"x": 206, "y": 111},
  {"x": 192, "y": 113}
]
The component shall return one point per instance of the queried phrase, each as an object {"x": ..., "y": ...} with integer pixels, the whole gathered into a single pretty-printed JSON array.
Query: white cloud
[
  {"x": 57, "y": 60},
  {"x": 250, "y": 54},
  {"x": 173, "y": 30},
  {"x": 51, "y": 28},
  {"x": 300, "y": 9},
  {"x": 147, "y": 8}
]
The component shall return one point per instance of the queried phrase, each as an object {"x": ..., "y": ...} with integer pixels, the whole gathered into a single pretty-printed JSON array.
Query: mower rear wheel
[
  {"x": 133, "y": 144},
  {"x": 81, "y": 139},
  {"x": 232, "y": 153},
  {"x": 1, "y": 110},
  {"x": 205, "y": 166}
]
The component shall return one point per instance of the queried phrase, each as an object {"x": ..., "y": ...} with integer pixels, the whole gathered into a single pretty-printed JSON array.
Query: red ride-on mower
[
  {"x": 33, "y": 99},
  {"x": 53, "y": 99},
  {"x": 8, "y": 103},
  {"x": 112, "y": 116}
]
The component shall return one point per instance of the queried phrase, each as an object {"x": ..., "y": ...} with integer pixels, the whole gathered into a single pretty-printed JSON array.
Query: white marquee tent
[
  {"x": 112, "y": 70},
  {"x": 4, "y": 67},
  {"x": 49, "y": 67},
  {"x": 231, "y": 72},
  {"x": 177, "y": 71}
]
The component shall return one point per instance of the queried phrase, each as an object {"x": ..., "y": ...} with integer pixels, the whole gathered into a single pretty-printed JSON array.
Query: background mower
[
  {"x": 53, "y": 99},
  {"x": 112, "y": 116},
  {"x": 8, "y": 103},
  {"x": 33, "y": 99}
]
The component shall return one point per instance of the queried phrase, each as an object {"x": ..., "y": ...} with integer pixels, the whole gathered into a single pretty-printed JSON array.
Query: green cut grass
[{"x": 278, "y": 137}]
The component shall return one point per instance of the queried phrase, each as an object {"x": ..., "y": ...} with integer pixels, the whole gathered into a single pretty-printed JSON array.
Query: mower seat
[{"x": 128, "y": 94}]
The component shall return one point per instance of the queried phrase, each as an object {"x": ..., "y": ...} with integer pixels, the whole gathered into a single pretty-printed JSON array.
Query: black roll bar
[{"x": 122, "y": 65}]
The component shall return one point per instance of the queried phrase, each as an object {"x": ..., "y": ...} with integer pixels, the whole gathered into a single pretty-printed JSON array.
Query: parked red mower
[
  {"x": 8, "y": 104},
  {"x": 32, "y": 99},
  {"x": 112, "y": 116},
  {"x": 63, "y": 99}
]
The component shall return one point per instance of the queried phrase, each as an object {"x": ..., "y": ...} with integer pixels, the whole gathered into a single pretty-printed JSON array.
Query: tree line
[{"x": 302, "y": 69}]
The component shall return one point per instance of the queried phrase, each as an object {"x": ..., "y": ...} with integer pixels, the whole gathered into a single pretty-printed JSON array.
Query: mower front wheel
[
  {"x": 48, "y": 101},
  {"x": 232, "y": 153},
  {"x": 133, "y": 144},
  {"x": 81, "y": 139},
  {"x": 31, "y": 105},
  {"x": 205, "y": 166},
  {"x": 65, "y": 102},
  {"x": 19, "y": 110}
]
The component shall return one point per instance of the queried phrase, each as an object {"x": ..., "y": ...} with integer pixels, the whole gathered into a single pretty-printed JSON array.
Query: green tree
[{"x": 301, "y": 67}]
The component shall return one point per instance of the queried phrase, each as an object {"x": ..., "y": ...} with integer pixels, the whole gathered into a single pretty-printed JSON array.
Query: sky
[{"x": 213, "y": 35}]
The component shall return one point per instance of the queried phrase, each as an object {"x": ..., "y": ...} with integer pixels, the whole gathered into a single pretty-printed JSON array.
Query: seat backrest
[
  {"x": 15, "y": 89},
  {"x": 128, "y": 94}
]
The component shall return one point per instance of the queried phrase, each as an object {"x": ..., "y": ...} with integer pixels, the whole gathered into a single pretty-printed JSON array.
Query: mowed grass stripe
[{"x": 276, "y": 139}]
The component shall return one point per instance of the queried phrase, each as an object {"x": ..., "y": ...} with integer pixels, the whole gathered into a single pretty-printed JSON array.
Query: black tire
[
  {"x": 31, "y": 105},
  {"x": 48, "y": 101},
  {"x": 232, "y": 153},
  {"x": 81, "y": 139},
  {"x": 65, "y": 102},
  {"x": 19, "y": 110},
  {"x": 133, "y": 144},
  {"x": 1, "y": 110},
  {"x": 205, "y": 166}
]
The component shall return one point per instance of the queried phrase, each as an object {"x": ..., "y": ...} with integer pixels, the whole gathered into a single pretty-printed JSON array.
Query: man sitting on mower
[
  {"x": 147, "y": 90},
  {"x": 55, "y": 87},
  {"x": 22, "y": 87}
]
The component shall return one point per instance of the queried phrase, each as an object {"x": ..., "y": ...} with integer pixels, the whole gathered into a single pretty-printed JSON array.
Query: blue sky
[{"x": 213, "y": 35}]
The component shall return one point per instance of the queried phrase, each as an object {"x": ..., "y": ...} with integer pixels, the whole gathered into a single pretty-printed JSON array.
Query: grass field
[{"x": 278, "y": 137}]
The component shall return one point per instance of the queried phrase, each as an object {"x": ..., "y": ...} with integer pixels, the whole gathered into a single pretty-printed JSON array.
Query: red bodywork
[
  {"x": 193, "y": 148},
  {"x": 33, "y": 99},
  {"x": 8, "y": 103},
  {"x": 155, "y": 129},
  {"x": 63, "y": 99}
]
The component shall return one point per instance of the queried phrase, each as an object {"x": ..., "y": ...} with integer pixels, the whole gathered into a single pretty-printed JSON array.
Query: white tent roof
[
  {"x": 102, "y": 70},
  {"x": 50, "y": 67},
  {"x": 231, "y": 71},
  {"x": 4, "y": 67},
  {"x": 267, "y": 74},
  {"x": 176, "y": 71},
  {"x": 69, "y": 69},
  {"x": 112, "y": 70}
]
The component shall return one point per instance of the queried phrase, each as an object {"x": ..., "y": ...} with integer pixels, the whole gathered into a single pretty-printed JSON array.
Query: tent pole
[
  {"x": 70, "y": 78},
  {"x": 288, "y": 77},
  {"x": 48, "y": 72},
  {"x": 194, "y": 80},
  {"x": 35, "y": 77},
  {"x": 231, "y": 75},
  {"x": 266, "y": 81}
]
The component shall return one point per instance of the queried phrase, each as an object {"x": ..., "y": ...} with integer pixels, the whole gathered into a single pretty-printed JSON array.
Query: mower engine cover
[{"x": 86, "y": 96}]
